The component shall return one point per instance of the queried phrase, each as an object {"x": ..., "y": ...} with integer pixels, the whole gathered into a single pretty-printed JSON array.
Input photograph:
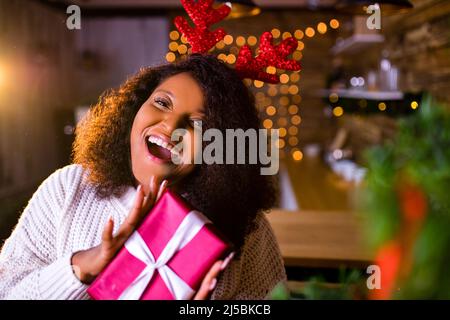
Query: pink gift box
[{"x": 191, "y": 263}]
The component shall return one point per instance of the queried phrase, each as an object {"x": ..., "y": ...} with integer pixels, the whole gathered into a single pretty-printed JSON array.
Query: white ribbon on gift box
[{"x": 186, "y": 231}]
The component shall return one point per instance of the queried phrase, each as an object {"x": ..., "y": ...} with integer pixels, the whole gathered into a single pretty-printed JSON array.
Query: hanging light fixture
[
  {"x": 241, "y": 8},
  {"x": 360, "y": 6}
]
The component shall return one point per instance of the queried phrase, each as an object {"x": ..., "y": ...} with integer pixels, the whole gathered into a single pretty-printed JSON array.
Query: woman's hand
[
  {"x": 210, "y": 280},
  {"x": 87, "y": 264}
]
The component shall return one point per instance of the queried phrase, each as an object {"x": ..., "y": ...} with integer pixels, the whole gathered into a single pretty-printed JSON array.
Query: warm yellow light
[
  {"x": 174, "y": 35},
  {"x": 297, "y": 55},
  {"x": 240, "y": 41},
  {"x": 271, "y": 70},
  {"x": 282, "y": 132},
  {"x": 173, "y": 46},
  {"x": 295, "y": 77},
  {"x": 322, "y": 28},
  {"x": 296, "y": 99},
  {"x": 297, "y": 155},
  {"x": 284, "y": 101},
  {"x": 299, "y": 34},
  {"x": 286, "y": 35},
  {"x": 414, "y": 104},
  {"x": 284, "y": 89},
  {"x": 293, "y": 141},
  {"x": 276, "y": 33},
  {"x": 333, "y": 97},
  {"x": 228, "y": 39},
  {"x": 272, "y": 91},
  {"x": 310, "y": 32},
  {"x": 231, "y": 58},
  {"x": 182, "y": 49},
  {"x": 222, "y": 56},
  {"x": 170, "y": 57},
  {"x": 334, "y": 23},
  {"x": 258, "y": 84},
  {"x": 267, "y": 123},
  {"x": 338, "y": 111},
  {"x": 284, "y": 78},
  {"x": 300, "y": 45},
  {"x": 270, "y": 110},
  {"x": 252, "y": 40},
  {"x": 293, "y": 89},
  {"x": 282, "y": 122},
  {"x": 183, "y": 39},
  {"x": 280, "y": 143},
  {"x": 296, "y": 120},
  {"x": 220, "y": 45},
  {"x": 293, "y": 130},
  {"x": 267, "y": 101},
  {"x": 382, "y": 106},
  {"x": 293, "y": 109}
]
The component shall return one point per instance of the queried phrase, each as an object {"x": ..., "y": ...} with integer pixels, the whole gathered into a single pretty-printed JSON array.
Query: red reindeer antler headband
[{"x": 202, "y": 40}]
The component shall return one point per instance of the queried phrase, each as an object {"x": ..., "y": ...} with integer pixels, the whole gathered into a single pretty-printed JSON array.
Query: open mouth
[{"x": 161, "y": 149}]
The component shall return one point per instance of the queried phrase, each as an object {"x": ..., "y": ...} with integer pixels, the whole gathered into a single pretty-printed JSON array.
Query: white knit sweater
[{"x": 64, "y": 216}]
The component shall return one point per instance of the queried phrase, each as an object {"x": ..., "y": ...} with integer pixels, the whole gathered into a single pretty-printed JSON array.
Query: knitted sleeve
[
  {"x": 29, "y": 268},
  {"x": 259, "y": 269}
]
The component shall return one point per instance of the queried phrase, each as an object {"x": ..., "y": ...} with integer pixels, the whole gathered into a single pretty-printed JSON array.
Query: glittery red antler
[
  {"x": 203, "y": 15},
  {"x": 269, "y": 55}
]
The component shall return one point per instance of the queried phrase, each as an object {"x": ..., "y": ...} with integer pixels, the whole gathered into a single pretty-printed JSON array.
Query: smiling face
[{"x": 175, "y": 104}]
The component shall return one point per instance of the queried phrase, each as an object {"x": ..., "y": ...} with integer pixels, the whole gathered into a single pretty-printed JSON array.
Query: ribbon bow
[{"x": 136, "y": 246}]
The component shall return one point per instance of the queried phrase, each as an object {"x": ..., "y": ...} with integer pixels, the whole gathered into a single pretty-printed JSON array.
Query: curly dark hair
[{"x": 230, "y": 195}]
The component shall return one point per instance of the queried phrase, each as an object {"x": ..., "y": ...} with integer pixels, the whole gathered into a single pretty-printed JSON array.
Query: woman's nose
[{"x": 173, "y": 121}]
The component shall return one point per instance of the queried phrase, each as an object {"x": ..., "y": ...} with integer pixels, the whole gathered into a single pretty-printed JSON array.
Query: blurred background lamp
[
  {"x": 359, "y": 6},
  {"x": 241, "y": 8}
]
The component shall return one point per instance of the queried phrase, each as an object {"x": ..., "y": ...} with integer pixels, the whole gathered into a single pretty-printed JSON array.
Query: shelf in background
[
  {"x": 361, "y": 94},
  {"x": 356, "y": 43}
]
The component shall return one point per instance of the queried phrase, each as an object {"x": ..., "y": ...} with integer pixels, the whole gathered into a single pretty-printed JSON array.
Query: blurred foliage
[{"x": 415, "y": 165}]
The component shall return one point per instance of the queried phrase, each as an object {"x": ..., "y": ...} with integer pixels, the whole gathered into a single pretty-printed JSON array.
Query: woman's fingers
[
  {"x": 107, "y": 234},
  {"x": 209, "y": 282},
  {"x": 162, "y": 187},
  {"x": 132, "y": 219}
]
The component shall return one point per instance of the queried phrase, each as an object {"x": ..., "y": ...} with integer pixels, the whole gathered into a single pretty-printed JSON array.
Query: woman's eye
[{"x": 162, "y": 104}]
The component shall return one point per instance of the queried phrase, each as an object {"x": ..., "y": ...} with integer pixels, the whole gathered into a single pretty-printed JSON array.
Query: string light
[
  {"x": 252, "y": 40},
  {"x": 276, "y": 33},
  {"x": 322, "y": 28},
  {"x": 296, "y": 99},
  {"x": 228, "y": 39},
  {"x": 293, "y": 130},
  {"x": 333, "y": 97},
  {"x": 282, "y": 122},
  {"x": 170, "y": 57},
  {"x": 258, "y": 84},
  {"x": 293, "y": 109},
  {"x": 284, "y": 101},
  {"x": 293, "y": 141},
  {"x": 334, "y": 23},
  {"x": 297, "y": 155},
  {"x": 272, "y": 91},
  {"x": 223, "y": 57},
  {"x": 220, "y": 45},
  {"x": 293, "y": 89},
  {"x": 284, "y": 78},
  {"x": 280, "y": 143},
  {"x": 300, "y": 45},
  {"x": 414, "y": 105},
  {"x": 174, "y": 35},
  {"x": 240, "y": 41},
  {"x": 184, "y": 39},
  {"x": 282, "y": 132},
  {"x": 382, "y": 106},
  {"x": 173, "y": 46},
  {"x": 231, "y": 58},
  {"x": 271, "y": 110},
  {"x": 296, "y": 120},
  {"x": 267, "y": 123},
  {"x": 338, "y": 111},
  {"x": 310, "y": 32},
  {"x": 299, "y": 34},
  {"x": 295, "y": 77},
  {"x": 297, "y": 55},
  {"x": 182, "y": 49},
  {"x": 286, "y": 35},
  {"x": 271, "y": 70}
]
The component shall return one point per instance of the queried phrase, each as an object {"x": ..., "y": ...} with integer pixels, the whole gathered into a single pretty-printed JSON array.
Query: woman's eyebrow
[{"x": 170, "y": 94}]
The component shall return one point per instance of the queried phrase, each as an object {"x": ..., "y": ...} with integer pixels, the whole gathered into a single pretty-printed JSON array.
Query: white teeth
[{"x": 163, "y": 144}]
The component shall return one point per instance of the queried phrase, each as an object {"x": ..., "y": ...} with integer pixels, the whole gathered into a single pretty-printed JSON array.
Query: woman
[{"x": 83, "y": 213}]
